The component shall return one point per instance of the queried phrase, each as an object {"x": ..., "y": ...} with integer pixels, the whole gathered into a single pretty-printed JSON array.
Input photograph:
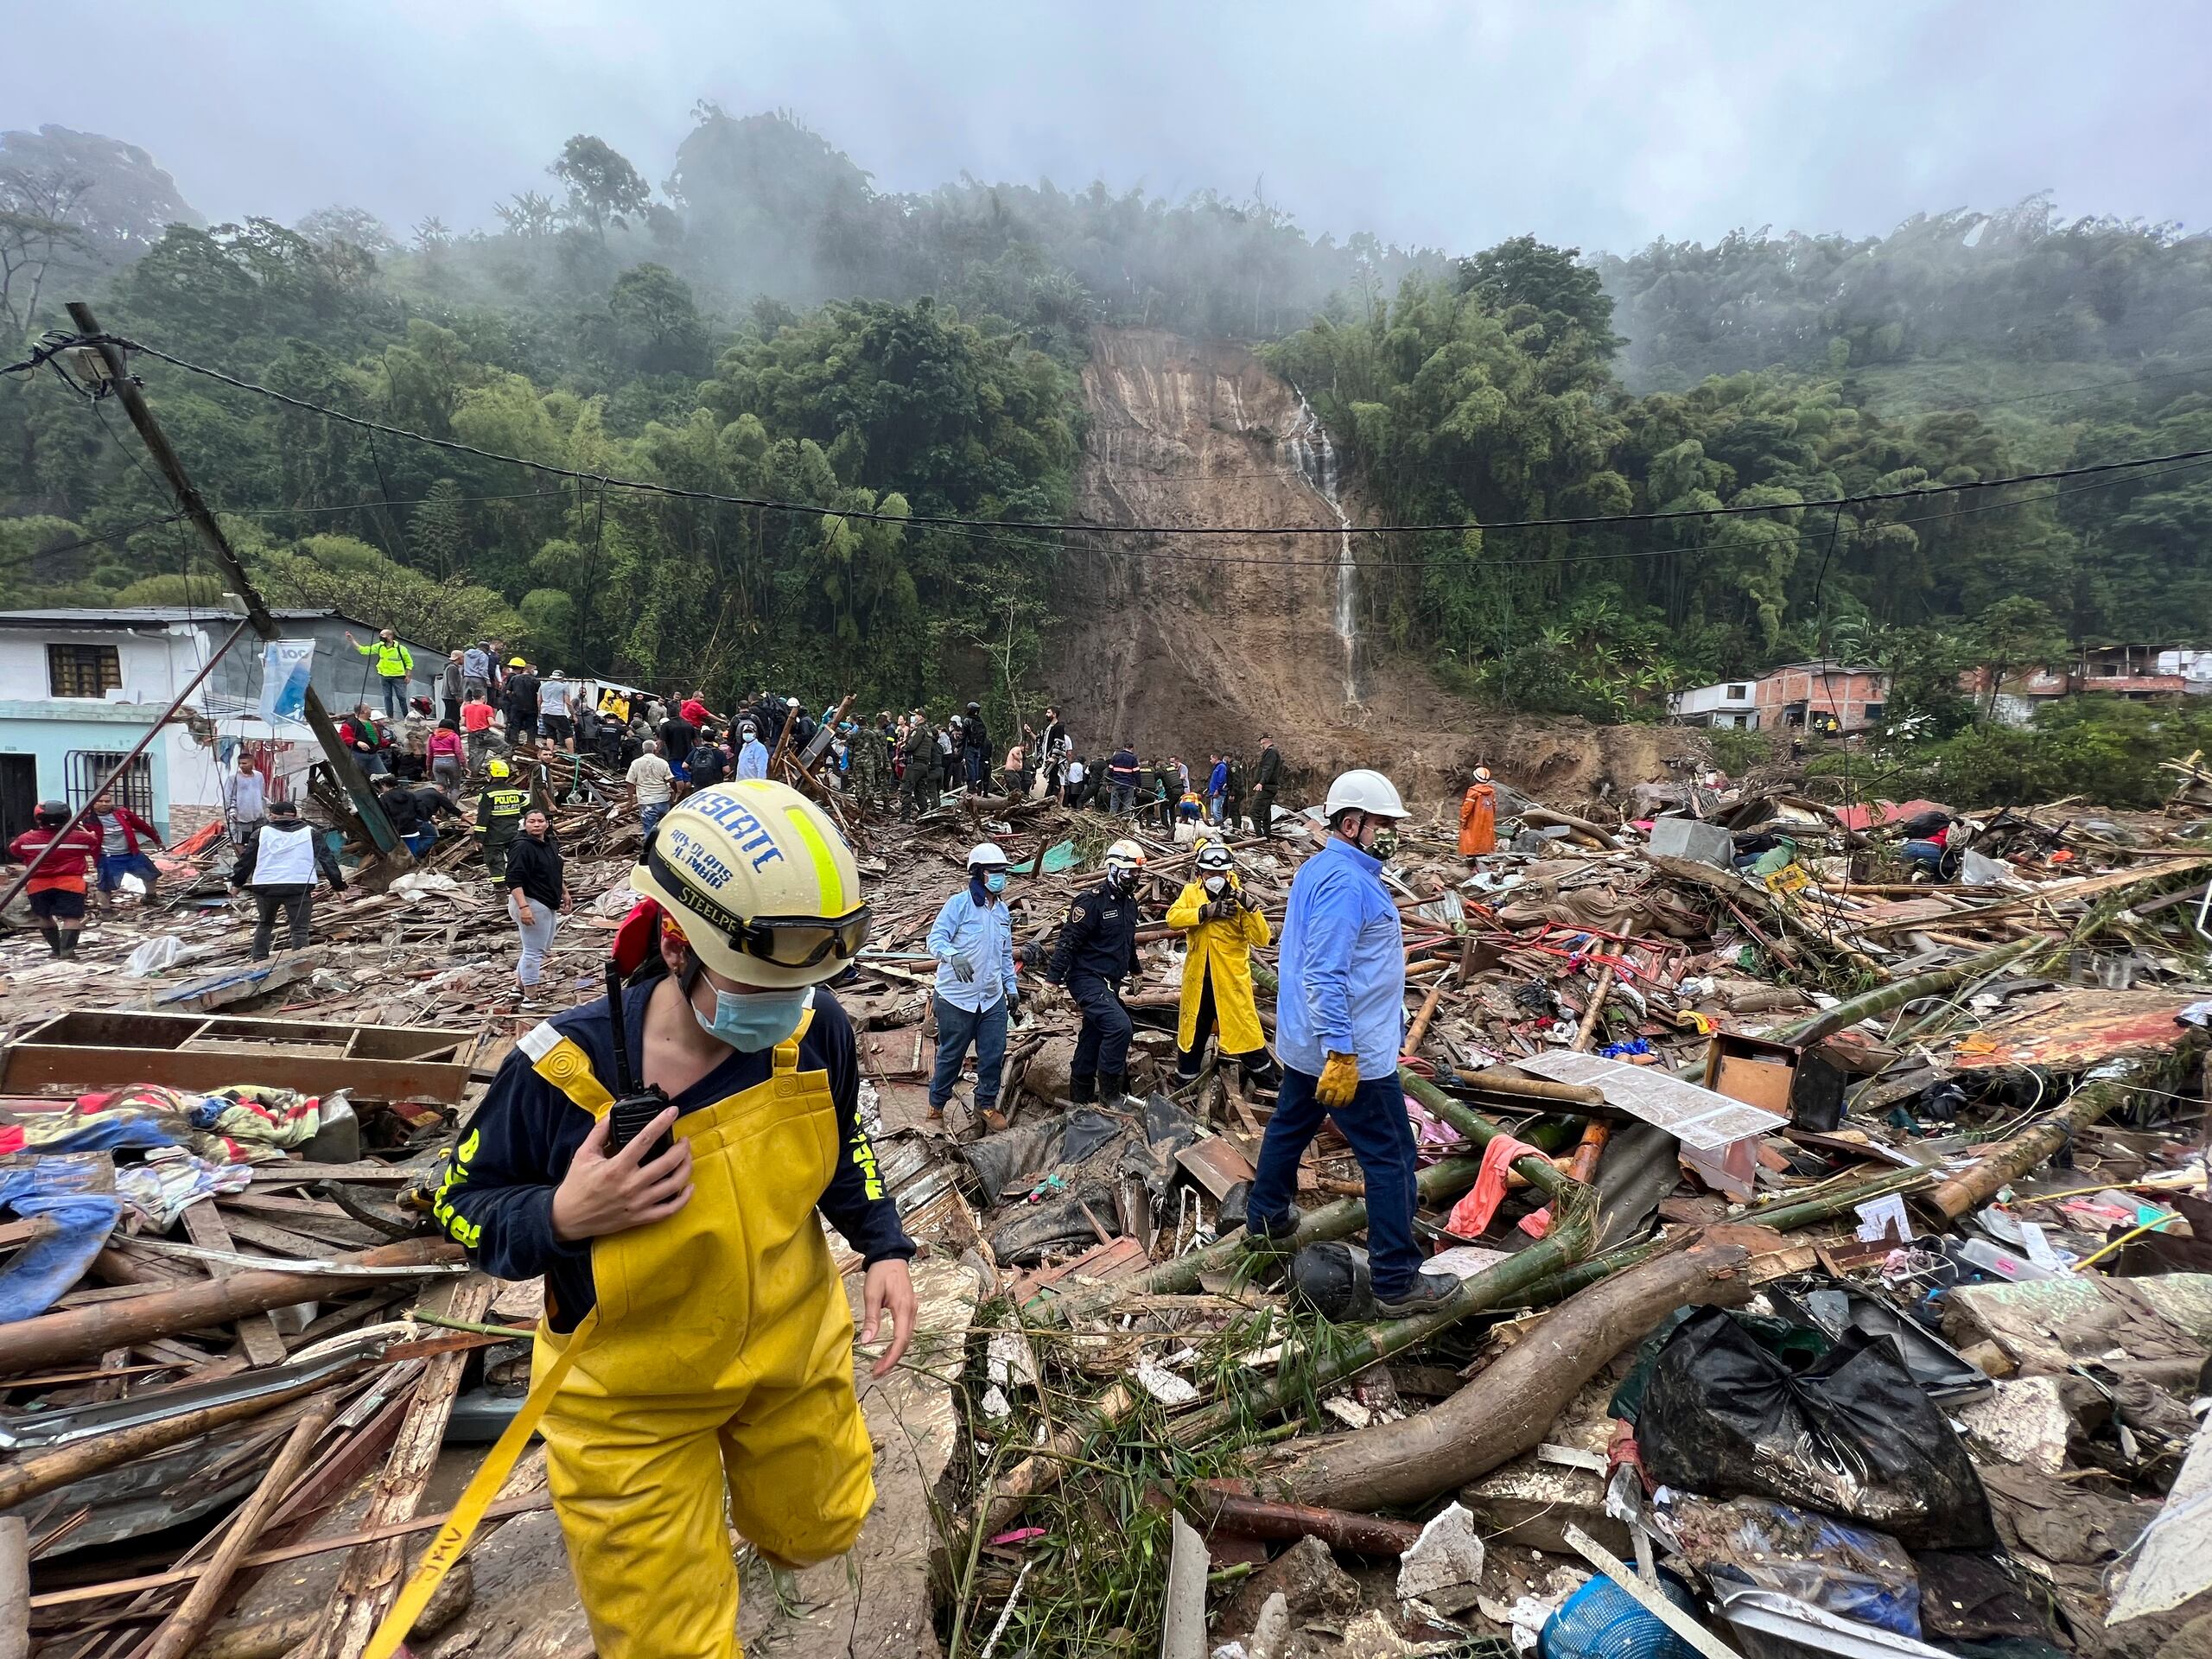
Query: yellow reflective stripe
[
  {"x": 827, "y": 879},
  {"x": 467, "y": 1515},
  {"x": 567, "y": 1068}
]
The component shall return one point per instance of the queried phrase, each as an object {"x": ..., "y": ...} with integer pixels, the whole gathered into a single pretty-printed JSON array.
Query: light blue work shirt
[
  {"x": 1342, "y": 966},
  {"x": 752, "y": 760},
  {"x": 980, "y": 935}
]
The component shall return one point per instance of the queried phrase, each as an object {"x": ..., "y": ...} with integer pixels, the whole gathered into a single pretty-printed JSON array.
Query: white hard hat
[
  {"x": 1481, "y": 774},
  {"x": 1363, "y": 790},
  {"x": 1214, "y": 855},
  {"x": 986, "y": 855},
  {"x": 760, "y": 882},
  {"x": 1125, "y": 855}
]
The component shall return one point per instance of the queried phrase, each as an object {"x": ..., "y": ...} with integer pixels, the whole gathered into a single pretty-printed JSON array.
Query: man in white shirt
[
  {"x": 243, "y": 799},
  {"x": 553, "y": 697},
  {"x": 653, "y": 784}
]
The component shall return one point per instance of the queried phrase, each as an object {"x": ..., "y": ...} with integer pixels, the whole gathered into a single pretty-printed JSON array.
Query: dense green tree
[{"x": 603, "y": 187}]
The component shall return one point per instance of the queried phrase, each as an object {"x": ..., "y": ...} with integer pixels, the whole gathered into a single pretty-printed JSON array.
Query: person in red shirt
[
  {"x": 476, "y": 725},
  {"x": 124, "y": 837},
  {"x": 57, "y": 888}
]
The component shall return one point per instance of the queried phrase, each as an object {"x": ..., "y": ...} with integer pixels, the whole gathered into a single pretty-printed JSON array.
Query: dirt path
[{"x": 1186, "y": 644}]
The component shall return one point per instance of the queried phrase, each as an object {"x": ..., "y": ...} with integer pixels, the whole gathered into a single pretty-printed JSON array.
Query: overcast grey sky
[{"x": 1601, "y": 125}]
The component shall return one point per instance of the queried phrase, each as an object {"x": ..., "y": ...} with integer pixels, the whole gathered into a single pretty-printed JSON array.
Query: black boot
[
  {"x": 1271, "y": 1237},
  {"x": 68, "y": 945},
  {"x": 53, "y": 936},
  {"x": 1113, "y": 1086},
  {"x": 1084, "y": 1090},
  {"x": 1428, "y": 1291}
]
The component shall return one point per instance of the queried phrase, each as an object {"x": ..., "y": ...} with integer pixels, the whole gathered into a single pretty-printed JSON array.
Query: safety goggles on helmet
[
  {"x": 1125, "y": 855},
  {"x": 786, "y": 941},
  {"x": 1215, "y": 856}
]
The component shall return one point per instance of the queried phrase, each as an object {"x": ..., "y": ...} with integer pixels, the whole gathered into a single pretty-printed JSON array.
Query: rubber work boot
[
  {"x": 53, "y": 936},
  {"x": 1272, "y": 1237},
  {"x": 1113, "y": 1087},
  {"x": 1428, "y": 1291},
  {"x": 1084, "y": 1090}
]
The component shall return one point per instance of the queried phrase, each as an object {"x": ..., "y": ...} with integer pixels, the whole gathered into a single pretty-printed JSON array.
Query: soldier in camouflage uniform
[{"x": 871, "y": 765}]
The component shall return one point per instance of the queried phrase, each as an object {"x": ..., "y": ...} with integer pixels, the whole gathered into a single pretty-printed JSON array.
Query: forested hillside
[{"x": 763, "y": 322}]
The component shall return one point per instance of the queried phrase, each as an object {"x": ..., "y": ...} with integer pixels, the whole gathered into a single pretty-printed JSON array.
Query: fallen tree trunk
[
  {"x": 77, "y": 1333},
  {"x": 1598, "y": 833},
  {"x": 1511, "y": 1406}
]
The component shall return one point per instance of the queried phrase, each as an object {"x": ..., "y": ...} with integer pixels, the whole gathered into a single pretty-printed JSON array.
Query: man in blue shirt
[
  {"x": 1216, "y": 788},
  {"x": 973, "y": 941},
  {"x": 1340, "y": 1018},
  {"x": 752, "y": 754}
]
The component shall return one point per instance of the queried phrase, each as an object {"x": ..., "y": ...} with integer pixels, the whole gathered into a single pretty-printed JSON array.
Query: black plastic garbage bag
[
  {"x": 1853, "y": 1435},
  {"x": 1333, "y": 1280}
]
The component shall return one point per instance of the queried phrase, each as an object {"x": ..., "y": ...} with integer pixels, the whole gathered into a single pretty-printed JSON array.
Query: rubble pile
[{"x": 1832, "y": 1248}]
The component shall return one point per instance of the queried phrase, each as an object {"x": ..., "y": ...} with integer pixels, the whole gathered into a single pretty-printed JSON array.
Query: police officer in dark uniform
[
  {"x": 1098, "y": 951},
  {"x": 499, "y": 816}
]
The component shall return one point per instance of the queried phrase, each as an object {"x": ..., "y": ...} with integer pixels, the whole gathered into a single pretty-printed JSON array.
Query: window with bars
[
  {"x": 82, "y": 770},
  {"x": 82, "y": 670}
]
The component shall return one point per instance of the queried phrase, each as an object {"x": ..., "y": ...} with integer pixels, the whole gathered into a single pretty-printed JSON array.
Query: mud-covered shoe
[
  {"x": 1271, "y": 1236},
  {"x": 1428, "y": 1291}
]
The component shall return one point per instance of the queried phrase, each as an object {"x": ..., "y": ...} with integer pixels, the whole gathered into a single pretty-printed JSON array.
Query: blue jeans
[
  {"x": 1124, "y": 798},
  {"x": 422, "y": 841},
  {"x": 1382, "y": 1139},
  {"x": 395, "y": 696},
  {"x": 956, "y": 1029},
  {"x": 115, "y": 866},
  {"x": 1927, "y": 854},
  {"x": 653, "y": 814}
]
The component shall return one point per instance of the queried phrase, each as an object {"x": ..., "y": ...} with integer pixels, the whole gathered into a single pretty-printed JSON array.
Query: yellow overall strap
[
  {"x": 468, "y": 1514},
  {"x": 566, "y": 1066}
]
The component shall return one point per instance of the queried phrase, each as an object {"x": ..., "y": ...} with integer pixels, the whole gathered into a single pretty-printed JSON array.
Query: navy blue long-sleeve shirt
[{"x": 497, "y": 1198}]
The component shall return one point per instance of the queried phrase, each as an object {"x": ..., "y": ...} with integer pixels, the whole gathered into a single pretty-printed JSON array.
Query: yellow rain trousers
[
  {"x": 1225, "y": 950},
  {"x": 717, "y": 1369}
]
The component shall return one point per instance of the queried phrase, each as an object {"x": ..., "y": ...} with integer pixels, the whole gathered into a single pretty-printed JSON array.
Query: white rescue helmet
[
  {"x": 1363, "y": 790},
  {"x": 1481, "y": 774},
  {"x": 1126, "y": 857},
  {"x": 988, "y": 855},
  {"x": 760, "y": 882}
]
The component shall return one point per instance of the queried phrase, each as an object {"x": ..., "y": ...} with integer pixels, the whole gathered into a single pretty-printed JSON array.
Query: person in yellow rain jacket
[
  {"x": 1479, "y": 816},
  {"x": 694, "y": 1369},
  {"x": 1221, "y": 925}
]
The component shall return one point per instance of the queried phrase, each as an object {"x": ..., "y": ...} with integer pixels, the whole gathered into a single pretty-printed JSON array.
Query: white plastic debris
[
  {"x": 1163, "y": 1384},
  {"x": 153, "y": 956},
  {"x": 996, "y": 1405},
  {"x": 421, "y": 881}
]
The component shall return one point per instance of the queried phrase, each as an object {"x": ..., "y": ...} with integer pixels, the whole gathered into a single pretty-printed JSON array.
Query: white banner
[{"x": 285, "y": 665}]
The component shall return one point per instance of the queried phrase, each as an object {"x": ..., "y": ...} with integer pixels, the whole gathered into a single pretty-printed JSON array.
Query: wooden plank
[
  {"x": 264, "y": 1342},
  {"x": 372, "y": 1577}
]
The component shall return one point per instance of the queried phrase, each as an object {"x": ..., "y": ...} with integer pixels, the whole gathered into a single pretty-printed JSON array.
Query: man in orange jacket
[{"x": 1479, "y": 816}]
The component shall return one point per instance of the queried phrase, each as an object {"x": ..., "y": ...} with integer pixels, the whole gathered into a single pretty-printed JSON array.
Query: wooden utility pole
[{"x": 349, "y": 774}]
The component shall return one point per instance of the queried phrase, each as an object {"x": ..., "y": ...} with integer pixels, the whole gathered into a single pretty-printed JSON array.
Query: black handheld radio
[{"x": 633, "y": 1107}]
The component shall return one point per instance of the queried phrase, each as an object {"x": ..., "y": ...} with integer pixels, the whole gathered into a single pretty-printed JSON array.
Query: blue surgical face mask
[
  {"x": 995, "y": 882},
  {"x": 755, "y": 1021}
]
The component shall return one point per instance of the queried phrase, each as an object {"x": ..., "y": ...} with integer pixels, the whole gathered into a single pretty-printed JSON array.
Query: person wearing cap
[
  {"x": 521, "y": 695},
  {"x": 1479, "y": 816},
  {"x": 56, "y": 889},
  {"x": 395, "y": 664},
  {"x": 1340, "y": 1019},
  {"x": 498, "y": 814},
  {"x": 973, "y": 941},
  {"x": 1096, "y": 951},
  {"x": 694, "y": 1364},
  {"x": 1221, "y": 926},
  {"x": 752, "y": 752},
  {"x": 279, "y": 866},
  {"x": 554, "y": 695}
]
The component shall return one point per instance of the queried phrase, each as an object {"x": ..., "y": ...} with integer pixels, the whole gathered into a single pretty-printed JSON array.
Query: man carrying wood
[{"x": 1340, "y": 1018}]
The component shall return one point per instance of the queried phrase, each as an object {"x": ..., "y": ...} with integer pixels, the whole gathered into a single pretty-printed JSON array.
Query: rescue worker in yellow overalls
[
  {"x": 1222, "y": 925},
  {"x": 696, "y": 1360}
]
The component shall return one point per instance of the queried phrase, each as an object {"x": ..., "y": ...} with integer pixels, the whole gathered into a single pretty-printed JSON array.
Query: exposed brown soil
[{"x": 1183, "y": 644}]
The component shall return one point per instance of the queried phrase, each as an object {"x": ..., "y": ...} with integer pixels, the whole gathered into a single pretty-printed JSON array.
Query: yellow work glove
[{"x": 1340, "y": 1078}]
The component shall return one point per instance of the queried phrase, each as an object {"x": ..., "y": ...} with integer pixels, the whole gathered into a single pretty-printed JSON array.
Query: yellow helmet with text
[{"x": 760, "y": 881}]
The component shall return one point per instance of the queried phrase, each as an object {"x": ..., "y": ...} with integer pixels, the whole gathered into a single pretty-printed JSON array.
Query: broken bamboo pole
[
  {"x": 82, "y": 1332},
  {"x": 1510, "y": 1407},
  {"x": 1495, "y": 1082},
  {"x": 182, "y": 1631},
  {"x": 1418, "y": 1032},
  {"x": 1978, "y": 1183},
  {"x": 1594, "y": 1013},
  {"x": 1895, "y": 994}
]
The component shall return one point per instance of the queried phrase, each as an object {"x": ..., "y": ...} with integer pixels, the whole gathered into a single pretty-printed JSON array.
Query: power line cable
[{"x": 927, "y": 520}]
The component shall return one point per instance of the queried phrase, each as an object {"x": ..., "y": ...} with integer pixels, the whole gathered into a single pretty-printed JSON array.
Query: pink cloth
[{"x": 1470, "y": 1217}]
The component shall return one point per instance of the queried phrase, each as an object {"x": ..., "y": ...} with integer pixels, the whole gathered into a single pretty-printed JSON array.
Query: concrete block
[{"x": 1708, "y": 843}]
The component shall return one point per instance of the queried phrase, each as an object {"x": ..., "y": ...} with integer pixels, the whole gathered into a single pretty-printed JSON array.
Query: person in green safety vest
[
  {"x": 499, "y": 816},
  {"x": 395, "y": 664}
]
